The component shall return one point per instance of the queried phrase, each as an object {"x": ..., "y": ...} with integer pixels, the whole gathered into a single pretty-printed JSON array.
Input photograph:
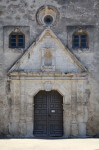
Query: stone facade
[{"x": 49, "y": 62}]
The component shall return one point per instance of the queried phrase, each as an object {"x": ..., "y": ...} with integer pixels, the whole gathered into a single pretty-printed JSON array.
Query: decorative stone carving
[
  {"x": 47, "y": 15},
  {"x": 17, "y": 30},
  {"x": 80, "y": 31},
  {"x": 48, "y": 86}
]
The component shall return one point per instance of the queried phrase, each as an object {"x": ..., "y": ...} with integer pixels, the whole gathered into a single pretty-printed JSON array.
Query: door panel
[
  {"x": 48, "y": 114},
  {"x": 40, "y": 114}
]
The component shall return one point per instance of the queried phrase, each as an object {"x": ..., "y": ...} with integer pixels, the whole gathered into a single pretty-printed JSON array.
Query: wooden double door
[{"x": 48, "y": 114}]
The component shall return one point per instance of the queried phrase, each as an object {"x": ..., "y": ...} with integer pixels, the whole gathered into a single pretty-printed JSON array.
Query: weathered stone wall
[{"x": 73, "y": 14}]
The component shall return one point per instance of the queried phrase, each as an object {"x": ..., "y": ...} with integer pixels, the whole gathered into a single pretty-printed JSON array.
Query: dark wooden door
[{"x": 48, "y": 114}]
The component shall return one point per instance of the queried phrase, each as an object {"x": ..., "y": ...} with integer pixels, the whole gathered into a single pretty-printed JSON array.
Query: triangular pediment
[{"x": 63, "y": 60}]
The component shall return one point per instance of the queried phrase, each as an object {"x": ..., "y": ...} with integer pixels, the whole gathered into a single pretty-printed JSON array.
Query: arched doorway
[{"x": 48, "y": 114}]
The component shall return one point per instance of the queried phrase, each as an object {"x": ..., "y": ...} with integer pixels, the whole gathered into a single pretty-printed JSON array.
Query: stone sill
[
  {"x": 86, "y": 50},
  {"x": 17, "y": 50}
]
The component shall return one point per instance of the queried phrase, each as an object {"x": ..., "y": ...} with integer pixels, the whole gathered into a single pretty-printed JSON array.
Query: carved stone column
[
  {"x": 74, "y": 125},
  {"x": 22, "y": 124}
]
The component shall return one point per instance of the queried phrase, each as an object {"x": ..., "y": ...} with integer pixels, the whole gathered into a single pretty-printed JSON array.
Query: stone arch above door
[{"x": 33, "y": 91}]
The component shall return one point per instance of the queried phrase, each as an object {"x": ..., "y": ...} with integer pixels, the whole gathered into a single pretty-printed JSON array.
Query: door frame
[{"x": 63, "y": 107}]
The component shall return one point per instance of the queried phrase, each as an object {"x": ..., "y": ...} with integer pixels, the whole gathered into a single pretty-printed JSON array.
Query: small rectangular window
[
  {"x": 16, "y": 40},
  {"x": 80, "y": 40}
]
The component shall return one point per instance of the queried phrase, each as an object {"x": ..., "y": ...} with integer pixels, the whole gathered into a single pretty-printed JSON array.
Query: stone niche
[{"x": 48, "y": 59}]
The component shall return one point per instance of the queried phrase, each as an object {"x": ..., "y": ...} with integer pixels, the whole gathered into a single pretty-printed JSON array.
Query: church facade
[{"x": 49, "y": 68}]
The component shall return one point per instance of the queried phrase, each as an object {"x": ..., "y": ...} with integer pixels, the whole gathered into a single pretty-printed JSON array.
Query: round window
[
  {"x": 48, "y": 19},
  {"x": 47, "y": 15}
]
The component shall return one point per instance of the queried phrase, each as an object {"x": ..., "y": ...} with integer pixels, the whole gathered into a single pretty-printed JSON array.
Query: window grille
[
  {"x": 16, "y": 40},
  {"x": 80, "y": 40}
]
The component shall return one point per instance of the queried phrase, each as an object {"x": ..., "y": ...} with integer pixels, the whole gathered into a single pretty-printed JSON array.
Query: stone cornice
[{"x": 46, "y": 75}]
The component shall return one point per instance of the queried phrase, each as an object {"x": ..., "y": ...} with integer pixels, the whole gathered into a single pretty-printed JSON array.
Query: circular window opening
[{"x": 48, "y": 19}]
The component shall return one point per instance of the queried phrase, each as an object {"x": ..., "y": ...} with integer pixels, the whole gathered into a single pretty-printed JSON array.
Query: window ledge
[
  {"x": 17, "y": 50},
  {"x": 82, "y": 50}
]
